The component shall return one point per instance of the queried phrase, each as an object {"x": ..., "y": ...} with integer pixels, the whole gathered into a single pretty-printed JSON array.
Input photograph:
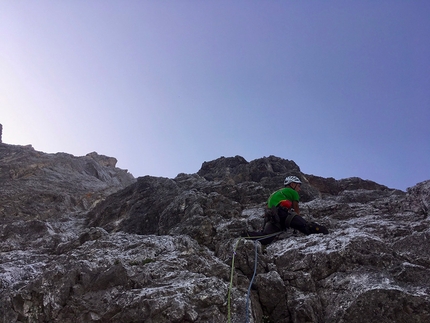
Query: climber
[{"x": 278, "y": 218}]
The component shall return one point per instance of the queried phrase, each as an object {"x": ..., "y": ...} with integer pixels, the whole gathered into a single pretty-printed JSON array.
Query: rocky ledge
[{"x": 82, "y": 241}]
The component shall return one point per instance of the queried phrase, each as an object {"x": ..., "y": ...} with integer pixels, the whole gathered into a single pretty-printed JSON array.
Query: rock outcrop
[
  {"x": 168, "y": 250},
  {"x": 37, "y": 185}
]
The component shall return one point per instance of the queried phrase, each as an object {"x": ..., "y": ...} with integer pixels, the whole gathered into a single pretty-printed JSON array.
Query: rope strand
[
  {"x": 252, "y": 280},
  {"x": 257, "y": 238}
]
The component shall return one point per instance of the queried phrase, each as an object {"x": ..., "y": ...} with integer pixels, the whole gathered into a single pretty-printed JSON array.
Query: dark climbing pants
[{"x": 297, "y": 223}]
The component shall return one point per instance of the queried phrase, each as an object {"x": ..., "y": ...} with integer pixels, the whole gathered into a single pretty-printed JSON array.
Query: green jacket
[{"x": 286, "y": 193}]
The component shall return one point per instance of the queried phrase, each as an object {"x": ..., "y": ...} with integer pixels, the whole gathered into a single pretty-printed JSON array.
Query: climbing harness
[
  {"x": 289, "y": 219},
  {"x": 258, "y": 238}
]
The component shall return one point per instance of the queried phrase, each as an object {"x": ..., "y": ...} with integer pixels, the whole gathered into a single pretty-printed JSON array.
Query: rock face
[
  {"x": 103, "y": 247},
  {"x": 36, "y": 185}
]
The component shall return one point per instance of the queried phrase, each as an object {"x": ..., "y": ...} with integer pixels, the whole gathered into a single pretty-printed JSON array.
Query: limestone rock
[
  {"x": 40, "y": 185},
  {"x": 168, "y": 250}
]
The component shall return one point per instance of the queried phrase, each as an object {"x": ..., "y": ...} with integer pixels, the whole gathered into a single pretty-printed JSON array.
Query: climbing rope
[
  {"x": 231, "y": 281},
  {"x": 248, "y": 294},
  {"x": 257, "y": 238}
]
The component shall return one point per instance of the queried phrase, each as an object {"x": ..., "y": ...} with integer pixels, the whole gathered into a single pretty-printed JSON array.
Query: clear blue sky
[{"x": 340, "y": 87}]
